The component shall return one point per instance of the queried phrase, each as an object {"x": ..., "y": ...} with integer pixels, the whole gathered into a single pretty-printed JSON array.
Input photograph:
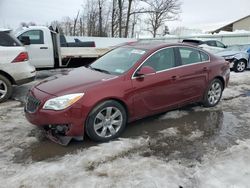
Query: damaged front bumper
[{"x": 57, "y": 134}]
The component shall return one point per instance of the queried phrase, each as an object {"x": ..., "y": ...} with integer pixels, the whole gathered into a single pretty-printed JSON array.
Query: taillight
[{"x": 23, "y": 56}]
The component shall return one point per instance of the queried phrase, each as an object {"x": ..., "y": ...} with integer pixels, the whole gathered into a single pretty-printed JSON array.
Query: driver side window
[
  {"x": 161, "y": 60},
  {"x": 35, "y": 36}
]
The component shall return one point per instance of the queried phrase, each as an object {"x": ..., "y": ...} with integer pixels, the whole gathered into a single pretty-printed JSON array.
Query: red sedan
[{"x": 126, "y": 84}]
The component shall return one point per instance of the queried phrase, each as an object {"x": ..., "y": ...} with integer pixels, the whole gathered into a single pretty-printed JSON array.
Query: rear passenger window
[
  {"x": 7, "y": 40},
  {"x": 161, "y": 60},
  {"x": 189, "y": 56},
  {"x": 219, "y": 44},
  {"x": 204, "y": 57},
  {"x": 211, "y": 43},
  {"x": 36, "y": 36}
]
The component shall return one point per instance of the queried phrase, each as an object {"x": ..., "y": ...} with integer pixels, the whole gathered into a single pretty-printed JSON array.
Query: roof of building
[{"x": 229, "y": 26}]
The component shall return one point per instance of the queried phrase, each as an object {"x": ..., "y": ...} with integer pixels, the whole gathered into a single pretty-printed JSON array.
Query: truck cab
[
  {"x": 45, "y": 50},
  {"x": 41, "y": 46}
]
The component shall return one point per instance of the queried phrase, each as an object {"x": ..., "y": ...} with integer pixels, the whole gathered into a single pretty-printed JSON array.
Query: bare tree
[
  {"x": 160, "y": 11},
  {"x": 128, "y": 18},
  {"x": 24, "y": 24},
  {"x": 81, "y": 25},
  {"x": 114, "y": 16},
  {"x": 100, "y": 14},
  {"x": 91, "y": 18},
  {"x": 120, "y": 7},
  {"x": 66, "y": 25},
  {"x": 75, "y": 22},
  {"x": 118, "y": 18}
]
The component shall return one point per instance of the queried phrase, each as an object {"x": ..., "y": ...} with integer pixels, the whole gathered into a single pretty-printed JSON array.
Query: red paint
[{"x": 142, "y": 96}]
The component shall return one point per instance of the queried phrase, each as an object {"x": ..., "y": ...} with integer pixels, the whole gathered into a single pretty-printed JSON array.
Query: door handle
[
  {"x": 174, "y": 77},
  {"x": 205, "y": 69},
  {"x": 43, "y": 48}
]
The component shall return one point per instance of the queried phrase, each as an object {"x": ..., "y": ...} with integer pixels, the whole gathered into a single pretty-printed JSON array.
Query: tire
[
  {"x": 239, "y": 66},
  {"x": 5, "y": 89},
  {"x": 213, "y": 93},
  {"x": 106, "y": 121}
]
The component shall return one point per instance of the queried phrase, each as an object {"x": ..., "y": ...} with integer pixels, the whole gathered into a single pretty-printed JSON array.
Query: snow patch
[
  {"x": 174, "y": 114},
  {"x": 173, "y": 131},
  {"x": 15, "y": 134},
  {"x": 227, "y": 169},
  {"x": 239, "y": 78},
  {"x": 9, "y": 104},
  {"x": 195, "y": 135}
]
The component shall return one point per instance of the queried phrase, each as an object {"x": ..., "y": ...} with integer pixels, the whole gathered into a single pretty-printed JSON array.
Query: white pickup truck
[{"x": 45, "y": 51}]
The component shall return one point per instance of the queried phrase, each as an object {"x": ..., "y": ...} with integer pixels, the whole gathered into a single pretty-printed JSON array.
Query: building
[{"x": 241, "y": 24}]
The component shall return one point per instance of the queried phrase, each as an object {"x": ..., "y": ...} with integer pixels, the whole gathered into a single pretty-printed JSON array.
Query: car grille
[{"x": 32, "y": 104}]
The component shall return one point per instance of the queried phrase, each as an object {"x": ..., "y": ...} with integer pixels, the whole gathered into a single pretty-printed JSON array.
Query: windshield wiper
[{"x": 100, "y": 70}]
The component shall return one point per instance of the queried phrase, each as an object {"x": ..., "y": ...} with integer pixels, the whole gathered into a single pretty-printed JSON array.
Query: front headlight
[
  {"x": 62, "y": 102},
  {"x": 229, "y": 57}
]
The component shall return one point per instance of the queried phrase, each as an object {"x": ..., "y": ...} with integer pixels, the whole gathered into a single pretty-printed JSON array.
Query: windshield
[
  {"x": 118, "y": 60},
  {"x": 244, "y": 48},
  {"x": 233, "y": 48}
]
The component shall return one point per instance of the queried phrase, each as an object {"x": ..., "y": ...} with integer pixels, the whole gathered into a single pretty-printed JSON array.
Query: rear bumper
[
  {"x": 21, "y": 72},
  {"x": 26, "y": 80}
]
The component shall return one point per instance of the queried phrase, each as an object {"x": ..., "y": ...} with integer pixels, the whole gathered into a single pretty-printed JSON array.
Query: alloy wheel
[
  {"x": 214, "y": 93},
  {"x": 241, "y": 66},
  {"x": 3, "y": 89},
  {"x": 108, "y": 122}
]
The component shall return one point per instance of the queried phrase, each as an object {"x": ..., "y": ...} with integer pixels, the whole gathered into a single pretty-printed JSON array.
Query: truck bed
[{"x": 83, "y": 52}]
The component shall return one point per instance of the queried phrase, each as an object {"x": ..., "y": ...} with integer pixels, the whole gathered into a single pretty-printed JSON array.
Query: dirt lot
[{"x": 189, "y": 147}]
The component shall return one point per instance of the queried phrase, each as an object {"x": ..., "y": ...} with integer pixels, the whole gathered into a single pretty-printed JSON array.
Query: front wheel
[
  {"x": 5, "y": 88},
  {"x": 239, "y": 66},
  {"x": 106, "y": 121},
  {"x": 213, "y": 94}
]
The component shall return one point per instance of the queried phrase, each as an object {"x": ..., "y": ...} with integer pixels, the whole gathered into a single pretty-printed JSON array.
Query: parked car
[
  {"x": 14, "y": 64},
  {"x": 196, "y": 42},
  {"x": 238, "y": 56},
  {"x": 126, "y": 84}
]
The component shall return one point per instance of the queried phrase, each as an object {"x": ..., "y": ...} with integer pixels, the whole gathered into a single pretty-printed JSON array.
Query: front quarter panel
[{"x": 117, "y": 89}]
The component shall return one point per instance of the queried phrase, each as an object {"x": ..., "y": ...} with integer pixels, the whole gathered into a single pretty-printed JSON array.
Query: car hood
[
  {"x": 227, "y": 53},
  {"x": 75, "y": 81}
]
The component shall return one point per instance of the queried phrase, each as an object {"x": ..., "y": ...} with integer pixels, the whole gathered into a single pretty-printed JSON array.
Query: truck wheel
[
  {"x": 239, "y": 66},
  {"x": 5, "y": 88},
  {"x": 213, "y": 93},
  {"x": 106, "y": 121}
]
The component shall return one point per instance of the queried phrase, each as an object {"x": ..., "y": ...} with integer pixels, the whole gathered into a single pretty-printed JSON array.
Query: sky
[{"x": 201, "y": 14}]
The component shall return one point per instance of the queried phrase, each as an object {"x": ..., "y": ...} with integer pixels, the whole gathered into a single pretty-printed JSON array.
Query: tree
[
  {"x": 128, "y": 18},
  {"x": 24, "y": 24},
  {"x": 160, "y": 11},
  {"x": 114, "y": 18},
  {"x": 120, "y": 8},
  {"x": 75, "y": 22},
  {"x": 166, "y": 31}
]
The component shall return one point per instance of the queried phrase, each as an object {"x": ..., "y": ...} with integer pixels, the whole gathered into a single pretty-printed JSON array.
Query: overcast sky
[{"x": 195, "y": 13}]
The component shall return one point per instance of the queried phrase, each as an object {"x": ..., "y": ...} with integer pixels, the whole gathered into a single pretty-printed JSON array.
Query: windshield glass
[
  {"x": 243, "y": 48},
  {"x": 233, "y": 48},
  {"x": 118, "y": 60}
]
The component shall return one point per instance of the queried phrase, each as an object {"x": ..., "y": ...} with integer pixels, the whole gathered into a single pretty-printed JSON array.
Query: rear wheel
[
  {"x": 106, "y": 121},
  {"x": 239, "y": 66},
  {"x": 5, "y": 88},
  {"x": 213, "y": 94}
]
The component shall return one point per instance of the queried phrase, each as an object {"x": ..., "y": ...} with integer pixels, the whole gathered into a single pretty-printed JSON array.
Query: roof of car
[
  {"x": 151, "y": 45},
  {"x": 4, "y": 30}
]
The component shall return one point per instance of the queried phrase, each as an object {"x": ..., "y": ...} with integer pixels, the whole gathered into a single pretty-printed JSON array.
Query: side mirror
[
  {"x": 25, "y": 40},
  {"x": 145, "y": 70}
]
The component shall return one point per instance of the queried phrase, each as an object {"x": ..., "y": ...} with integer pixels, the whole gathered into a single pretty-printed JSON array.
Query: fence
[{"x": 228, "y": 38}]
